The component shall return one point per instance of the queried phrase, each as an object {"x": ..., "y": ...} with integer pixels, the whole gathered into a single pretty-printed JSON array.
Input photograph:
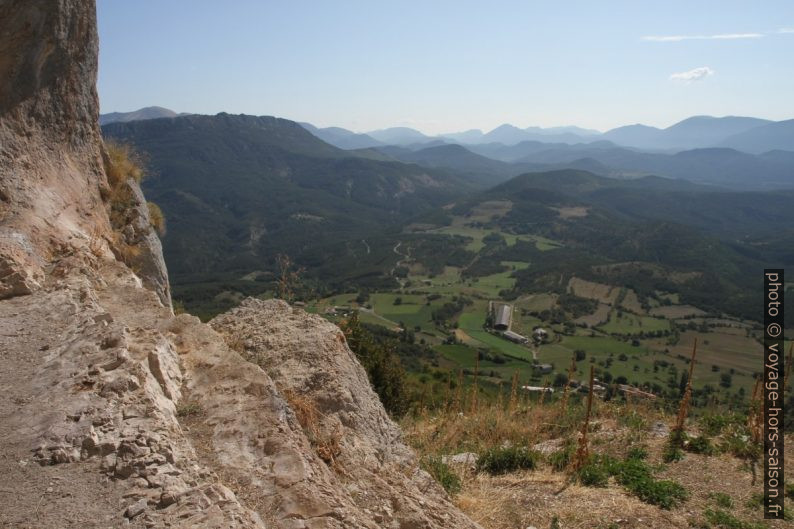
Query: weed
[
  {"x": 593, "y": 474},
  {"x": 503, "y": 460},
  {"x": 442, "y": 473},
  {"x": 637, "y": 452},
  {"x": 714, "y": 423},
  {"x": 636, "y": 476},
  {"x": 700, "y": 445},
  {"x": 726, "y": 520},
  {"x": 722, "y": 500},
  {"x": 189, "y": 409},
  {"x": 560, "y": 459},
  {"x": 672, "y": 450},
  {"x": 326, "y": 446},
  {"x": 756, "y": 501}
]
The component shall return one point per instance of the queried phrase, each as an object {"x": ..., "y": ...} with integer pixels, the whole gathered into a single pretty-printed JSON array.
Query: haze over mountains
[
  {"x": 238, "y": 190},
  {"x": 733, "y": 152},
  {"x": 137, "y": 115}
]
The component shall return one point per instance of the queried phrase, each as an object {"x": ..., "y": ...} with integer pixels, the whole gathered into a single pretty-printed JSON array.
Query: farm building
[
  {"x": 635, "y": 392},
  {"x": 515, "y": 337},
  {"x": 538, "y": 389},
  {"x": 540, "y": 335},
  {"x": 503, "y": 315},
  {"x": 544, "y": 368}
]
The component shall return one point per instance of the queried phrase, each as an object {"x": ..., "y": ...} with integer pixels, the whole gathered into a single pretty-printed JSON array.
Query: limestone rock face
[
  {"x": 148, "y": 262},
  {"x": 50, "y": 149},
  {"x": 342, "y": 462},
  {"x": 51, "y": 171}
]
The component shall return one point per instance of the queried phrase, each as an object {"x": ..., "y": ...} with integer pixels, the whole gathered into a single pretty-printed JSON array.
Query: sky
[{"x": 443, "y": 66}]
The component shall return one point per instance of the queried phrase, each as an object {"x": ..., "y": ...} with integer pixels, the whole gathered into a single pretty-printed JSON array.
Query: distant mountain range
[
  {"x": 751, "y": 135},
  {"x": 746, "y": 134},
  {"x": 138, "y": 115},
  {"x": 731, "y": 152},
  {"x": 343, "y": 138},
  {"x": 692, "y": 133}
]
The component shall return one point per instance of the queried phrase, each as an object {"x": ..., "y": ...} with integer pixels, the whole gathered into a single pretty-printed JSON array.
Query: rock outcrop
[
  {"x": 342, "y": 462},
  {"x": 50, "y": 146},
  {"x": 113, "y": 411}
]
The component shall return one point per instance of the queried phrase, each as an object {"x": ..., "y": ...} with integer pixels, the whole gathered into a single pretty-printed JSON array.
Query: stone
[{"x": 136, "y": 508}]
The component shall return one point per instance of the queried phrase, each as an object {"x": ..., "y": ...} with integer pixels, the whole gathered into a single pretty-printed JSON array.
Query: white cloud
[
  {"x": 786, "y": 30},
  {"x": 724, "y": 36},
  {"x": 696, "y": 74}
]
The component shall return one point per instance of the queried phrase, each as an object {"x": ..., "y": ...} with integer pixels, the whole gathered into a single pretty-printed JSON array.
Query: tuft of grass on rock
[
  {"x": 189, "y": 409},
  {"x": 442, "y": 473}
]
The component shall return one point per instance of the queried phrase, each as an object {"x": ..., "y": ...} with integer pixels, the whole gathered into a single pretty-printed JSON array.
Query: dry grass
[
  {"x": 96, "y": 242},
  {"x": 326, "y": 445},
  {"x": 156, "y": 218},
  {"x": 122, "y": 164},
  {"x": 535, "y": 498},
  {"x": 526, "y": 499}
]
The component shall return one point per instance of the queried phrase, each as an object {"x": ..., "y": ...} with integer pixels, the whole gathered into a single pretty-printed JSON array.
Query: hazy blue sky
[{"x": 441, "y": 66}]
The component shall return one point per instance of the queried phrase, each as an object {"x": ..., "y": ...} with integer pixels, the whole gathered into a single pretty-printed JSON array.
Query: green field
[
  {"x": 622, "y": 322},
  {"x": 611, "y": 346}
]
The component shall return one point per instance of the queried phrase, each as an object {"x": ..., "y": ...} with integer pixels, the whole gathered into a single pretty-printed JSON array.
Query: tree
[
  {"x": 726, "y": 380},
  {"x": 383, "y": 367},
  {"x": 560, "y": 380},
  {"x": 362, "y": 297}
]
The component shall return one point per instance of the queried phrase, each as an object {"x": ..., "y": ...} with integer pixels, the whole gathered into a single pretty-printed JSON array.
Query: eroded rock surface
[{"x": 339, "y": 460}]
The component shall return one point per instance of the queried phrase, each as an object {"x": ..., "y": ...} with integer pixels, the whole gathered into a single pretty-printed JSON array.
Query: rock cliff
[{"x": 113, "y": 411}]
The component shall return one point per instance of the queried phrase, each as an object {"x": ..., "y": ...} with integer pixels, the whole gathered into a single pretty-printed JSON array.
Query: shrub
[
  {"x": 700, "y": 445},
  {"x": 384, "y": 369},
  {"x": 726, "y": 520},
  {"x": 593, "y": 474},
  {"x": 560, "y": 459},
  {"x": 636, "y": 476},
  {"x": 714, "y": 423},
  {"x": 503, "y": 460},
  {"x": 672, "y": 450},
  {"x": 738, "y": 443},
  {"x": 637, "y": 452},
  {"x": 442, "y": 473},
  {"x": 722, "y": 500}
]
